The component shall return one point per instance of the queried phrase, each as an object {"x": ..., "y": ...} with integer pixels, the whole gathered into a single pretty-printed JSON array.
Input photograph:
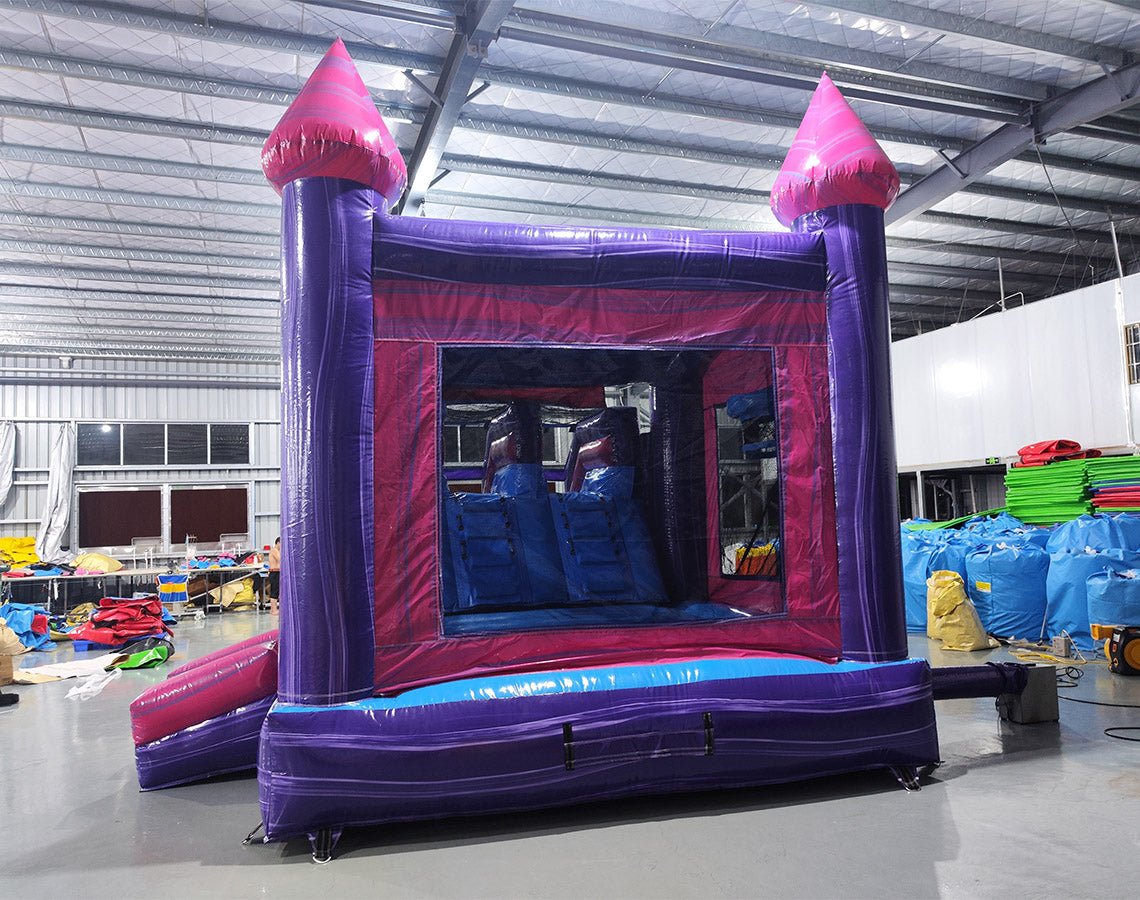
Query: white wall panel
[
  {"x": 38, "y": 393},
  {"x": 988, "y": 387}
]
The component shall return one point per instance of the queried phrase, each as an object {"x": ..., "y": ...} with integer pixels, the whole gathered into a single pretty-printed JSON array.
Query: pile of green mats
[
  {"x": 1046, "y": 495},
  {"x": 1114, "y": 483}
]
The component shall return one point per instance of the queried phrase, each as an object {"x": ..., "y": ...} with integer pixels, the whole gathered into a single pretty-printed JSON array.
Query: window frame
[
  {"x": 166, "y": 464},
  {"x": 1132, "y": 352}
]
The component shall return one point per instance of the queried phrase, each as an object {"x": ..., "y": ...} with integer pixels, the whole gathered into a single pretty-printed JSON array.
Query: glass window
[
  {"x": 186, "y": 445},
  {"x": 229, "y": 445},
  {"x": 144, "y": 444},
  {"x": 549, "y": 445},
  {"x": 1132, "y": 344},
  {"x": 451, "y": 443},
  {"x": 98, "y": 444},
  {"x": 472, "y": 443}
]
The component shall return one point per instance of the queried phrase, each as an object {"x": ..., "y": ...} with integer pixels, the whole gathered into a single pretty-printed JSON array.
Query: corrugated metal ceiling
[{"x": 134, "y": 220}]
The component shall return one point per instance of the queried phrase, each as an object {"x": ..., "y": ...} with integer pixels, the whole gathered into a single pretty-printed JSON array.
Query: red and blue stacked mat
[{"x": 1114, "y": 483}]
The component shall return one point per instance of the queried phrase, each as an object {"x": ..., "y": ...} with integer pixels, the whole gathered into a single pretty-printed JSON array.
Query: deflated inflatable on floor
[{"x": 573, "y": 514}]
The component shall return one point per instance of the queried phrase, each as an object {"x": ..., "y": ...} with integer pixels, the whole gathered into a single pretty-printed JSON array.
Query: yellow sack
[
  {"x": 77, "y": 615},
  {"x": 235, "y": 592},
  {"x": 97, "y": 562},
  {"x": 951, "y": 617}
]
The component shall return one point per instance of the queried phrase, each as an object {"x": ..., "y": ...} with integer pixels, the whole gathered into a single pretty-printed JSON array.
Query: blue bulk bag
[
  {"x": 1130, "y": 528},
  {"x": 917, "y": 549},
  {"x": 1114, "y": 598},
  {"x": 950, "y": 555},
  {"x": 1066, "y": 596},
  {"x": 1007, "y": 586},
  {"x": 1099, "y": 532}
]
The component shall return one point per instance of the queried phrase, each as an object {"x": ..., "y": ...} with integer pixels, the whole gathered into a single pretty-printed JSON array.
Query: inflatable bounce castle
[{"x": 703, "y": 590}]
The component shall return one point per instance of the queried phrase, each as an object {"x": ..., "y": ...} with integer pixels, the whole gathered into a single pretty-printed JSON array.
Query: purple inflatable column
[
  {"x": 336, "y": 165},
  {"x": 872, "y": 614},
  {"x": 326, "y": 644},
  {"x": 837, "y": 180}
]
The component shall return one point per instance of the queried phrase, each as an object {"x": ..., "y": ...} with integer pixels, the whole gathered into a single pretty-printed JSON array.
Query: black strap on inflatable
[{"x": 568, "y": 745}]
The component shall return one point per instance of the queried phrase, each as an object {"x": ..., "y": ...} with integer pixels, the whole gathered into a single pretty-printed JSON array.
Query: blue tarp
[{"x": 19, "y": 618}]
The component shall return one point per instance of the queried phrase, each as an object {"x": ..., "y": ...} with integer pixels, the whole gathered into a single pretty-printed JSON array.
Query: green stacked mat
[{"x": 1046, "y": 495}]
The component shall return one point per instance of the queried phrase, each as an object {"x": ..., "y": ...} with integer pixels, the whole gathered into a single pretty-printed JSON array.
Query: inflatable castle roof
[
  {"x": 333, "y": 128},
  {"x": 833, "y": 160}
]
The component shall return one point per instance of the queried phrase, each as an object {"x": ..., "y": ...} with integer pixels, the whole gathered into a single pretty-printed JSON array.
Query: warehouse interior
[{"x": 215, "y": 456}]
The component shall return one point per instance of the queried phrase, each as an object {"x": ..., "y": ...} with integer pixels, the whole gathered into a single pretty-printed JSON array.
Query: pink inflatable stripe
[
  {"x": 243, "y": 677},
  {"x": 834, "y": 160},
  {"x": 268, "y": 637},
  {"x": 333, "y": 129}
]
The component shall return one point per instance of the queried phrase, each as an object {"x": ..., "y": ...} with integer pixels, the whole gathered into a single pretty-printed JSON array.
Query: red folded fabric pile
[
  {"x": 118, "y": 621},
  {"x": 1044, "y": 452}
]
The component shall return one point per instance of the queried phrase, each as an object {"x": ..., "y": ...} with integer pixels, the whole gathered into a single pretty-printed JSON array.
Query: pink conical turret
[
  {"x": 833, "y": 161},
  {"x": 332, "y": 128}
]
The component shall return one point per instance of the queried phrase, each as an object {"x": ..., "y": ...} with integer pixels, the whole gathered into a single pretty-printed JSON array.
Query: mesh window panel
[
  {"x": 144, "y": 445},
  {"x": 97, "y": 444},
  {"x": 229, "y": 445},
  {"x": 186, "y": 445}
]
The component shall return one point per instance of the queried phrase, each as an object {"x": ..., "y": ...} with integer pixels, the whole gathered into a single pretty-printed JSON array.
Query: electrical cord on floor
[{"x": 1069, "y": 676}]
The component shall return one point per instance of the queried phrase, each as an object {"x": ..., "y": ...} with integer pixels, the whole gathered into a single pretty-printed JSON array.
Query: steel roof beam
[
  {"x": 136, "y": 165},
  {"x": 80, "y": 297},
  {"x": 211, "y": 29},
  {"x": 134, "y": 124},
  {"x": 1107, "y": 94},
  {"x": 16, "y": 343},
  {"x": 475, "y": 31},
  {"x": 140, "y": 254},
  {"x": 1006, "y": 254},
  {"x": 1010, "y": 226},
  {"x": 966, "y": 274},
  {"x": 145, "y": 276},
  {"x": 45, "y": 224},
  {"x": 979, "y": 28},
  {"x": 579, "y": 137},
  {"x": 89, "y": 321},
  {"x": 433, "y": 15},
  {"x": 142, "y": 199}
]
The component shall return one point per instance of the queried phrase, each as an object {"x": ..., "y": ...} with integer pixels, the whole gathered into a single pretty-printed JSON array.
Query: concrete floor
[{"x": 1036, "y": 811}]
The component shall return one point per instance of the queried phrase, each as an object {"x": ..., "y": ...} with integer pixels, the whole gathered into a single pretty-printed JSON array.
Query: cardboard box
[{"x": 7, "y": 668}]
